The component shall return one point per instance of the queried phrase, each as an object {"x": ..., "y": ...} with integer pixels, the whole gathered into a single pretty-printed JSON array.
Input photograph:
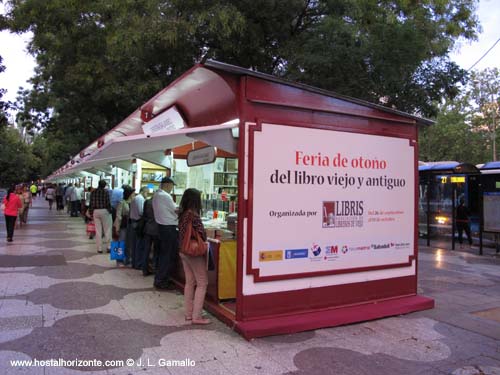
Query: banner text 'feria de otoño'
[{"x": 344, "y": 180}]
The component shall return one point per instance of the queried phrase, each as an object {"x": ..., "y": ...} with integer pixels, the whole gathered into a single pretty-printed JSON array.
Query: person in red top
[{"x": 12, "y": 205}]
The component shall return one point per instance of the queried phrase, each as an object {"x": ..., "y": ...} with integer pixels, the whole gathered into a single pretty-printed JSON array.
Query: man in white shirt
[
  {"x": 137, "y": 239},
  {"x": 165, "y": 212},
  {"x": 76, "y": 200}
]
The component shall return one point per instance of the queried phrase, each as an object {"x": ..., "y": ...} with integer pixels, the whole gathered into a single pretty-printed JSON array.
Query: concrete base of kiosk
[{"x": 285, "y": 324}]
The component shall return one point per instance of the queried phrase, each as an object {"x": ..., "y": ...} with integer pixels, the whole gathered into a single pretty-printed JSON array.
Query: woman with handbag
[
  {"x": 193, "y": 250},
  {"x": 11, "y": 205}
]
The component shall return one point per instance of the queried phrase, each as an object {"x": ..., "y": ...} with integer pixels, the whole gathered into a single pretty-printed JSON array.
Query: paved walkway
[{"x": 60, "y": 299}]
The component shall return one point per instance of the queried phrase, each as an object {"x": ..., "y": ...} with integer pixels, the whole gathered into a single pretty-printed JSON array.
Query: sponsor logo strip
[
  {"x": 296, "y": 253},
  {"x": 270, "y": 255}
]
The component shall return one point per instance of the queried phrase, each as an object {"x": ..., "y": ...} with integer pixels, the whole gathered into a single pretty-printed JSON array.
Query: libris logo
[
  {"x": 343, "y": 214},
  {"x": 315, "y": 250}
]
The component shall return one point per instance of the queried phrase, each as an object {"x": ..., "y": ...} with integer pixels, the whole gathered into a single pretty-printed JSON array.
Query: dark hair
[
  {"x": 191, "y": 200},
  {"x": 102, "y": 184},
  {"x": 12, "y": 189},
  {"x": 127, "y": 191}
]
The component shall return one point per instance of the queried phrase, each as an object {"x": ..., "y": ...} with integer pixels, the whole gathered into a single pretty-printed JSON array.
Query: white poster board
[
  {"x": 491, "y": 211},
  {"x": 327, "y": 202}
]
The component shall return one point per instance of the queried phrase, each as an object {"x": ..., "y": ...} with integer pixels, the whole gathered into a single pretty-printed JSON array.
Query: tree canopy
[
  {"x": 465, "y": 128},
  {"x": 3, "y": 104},
  {"x": 99, "y": 60}
]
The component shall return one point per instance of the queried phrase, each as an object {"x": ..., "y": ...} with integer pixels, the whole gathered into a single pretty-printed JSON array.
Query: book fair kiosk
[{"x": 310, "y": 199}]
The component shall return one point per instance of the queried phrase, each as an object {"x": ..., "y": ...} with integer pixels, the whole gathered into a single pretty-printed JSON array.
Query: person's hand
[{"x": 115, "y": 234}]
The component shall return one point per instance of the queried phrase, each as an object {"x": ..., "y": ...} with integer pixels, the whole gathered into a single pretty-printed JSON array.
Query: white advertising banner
[
  {"x": 328, "y": 202},
  {"x": 168, "y": 120}
]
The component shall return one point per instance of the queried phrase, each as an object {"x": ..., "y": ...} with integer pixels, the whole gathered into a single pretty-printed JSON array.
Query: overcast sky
[{"x": 19, "y": 65}]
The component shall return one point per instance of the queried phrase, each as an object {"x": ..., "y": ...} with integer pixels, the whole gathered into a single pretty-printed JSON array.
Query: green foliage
[
  {"x": 3, "y": 105},
  {"x": 466, "y": 127},
  {"x": 483, "y": 95},
  {"x": 99, "y": 60},
  {"x": 18, "y": 162},
  {"x": 395, "y": 52},
  {"x": 452, "y": 138}
]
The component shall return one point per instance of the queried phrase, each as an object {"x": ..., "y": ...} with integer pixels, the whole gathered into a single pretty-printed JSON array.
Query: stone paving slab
[{"x": 75, "y": 303}]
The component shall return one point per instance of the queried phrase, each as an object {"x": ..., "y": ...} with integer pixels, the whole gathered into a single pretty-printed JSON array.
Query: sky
[{"x": 20, "y": 65}]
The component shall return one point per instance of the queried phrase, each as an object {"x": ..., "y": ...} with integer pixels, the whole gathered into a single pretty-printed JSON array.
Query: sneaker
[{"x": 99, "y": 251}]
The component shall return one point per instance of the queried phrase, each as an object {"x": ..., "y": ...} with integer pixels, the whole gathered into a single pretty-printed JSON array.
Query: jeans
[
  {"x": 10, "y": 222},
  {"x": 75, "y": 208},
  {"x": 168, "y": 254},
  {"x": 59, "y": 202}
]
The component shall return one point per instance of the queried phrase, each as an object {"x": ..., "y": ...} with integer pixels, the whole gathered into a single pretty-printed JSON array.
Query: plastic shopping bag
[
  {"x": 117, "y": 250},
  {"x": 90, "y": 228}
]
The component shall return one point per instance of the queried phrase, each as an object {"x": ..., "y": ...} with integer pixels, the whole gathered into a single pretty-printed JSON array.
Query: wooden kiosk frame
[{"x": 289, "y": 278}]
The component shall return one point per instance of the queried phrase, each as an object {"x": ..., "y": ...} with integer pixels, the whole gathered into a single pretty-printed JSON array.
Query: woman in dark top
[{"x": 195, "y": 269}]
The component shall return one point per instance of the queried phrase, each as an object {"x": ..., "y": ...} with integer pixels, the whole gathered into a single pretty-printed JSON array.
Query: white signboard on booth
[
  {"x": 168, "y": 120},
  {"x": 328, "y": 202}
]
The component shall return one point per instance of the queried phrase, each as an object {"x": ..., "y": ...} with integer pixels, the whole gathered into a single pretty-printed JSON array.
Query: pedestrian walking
[
  {"x": 33, "y": 190},
  {"x": 60, "y": 197},
  {"x": 165, "y": 212},
  {"x": 20, "y": 212},
  {"x": 76, "y": 200},
  {"x": 100, "y": 211},
  {"x": 195, "y": 267},
  {"x": 28, "y": 198},
  {"x": 50, "y": 196},
  {"x": 67, "y": 197},
  {"x": 11, "y": 205}
]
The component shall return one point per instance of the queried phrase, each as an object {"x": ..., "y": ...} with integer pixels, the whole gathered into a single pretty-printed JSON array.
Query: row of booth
[
  {"x": 442, "y": 184},
  {"x": 310, "y": 199}
]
